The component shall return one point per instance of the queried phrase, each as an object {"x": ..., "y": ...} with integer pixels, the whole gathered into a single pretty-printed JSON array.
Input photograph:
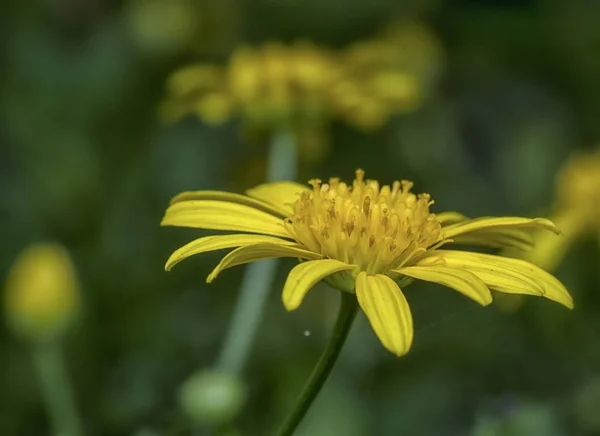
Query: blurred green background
[{"x": 85, "y": 161}]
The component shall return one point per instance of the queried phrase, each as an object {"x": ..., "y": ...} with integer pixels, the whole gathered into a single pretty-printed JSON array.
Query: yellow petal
[
  {"x": 230, "y": 198},
  {"x": 212, "y": 243},
  {"x": 255, "y": 252},
  {"x": 304, "y": 276},
  {"x": 221, "y": 215},
  {"x": 553, "y": 289},
  {"x": 447, "y": 218},
  {"x": 497, "y": 238},
  {"x": 387, "y": 310},
  {"x": 462, "y": 281},
  {"x": 497, "y": 223},
  {"x": 278, "y": 194},
  {"x": 497, "y": 277}
]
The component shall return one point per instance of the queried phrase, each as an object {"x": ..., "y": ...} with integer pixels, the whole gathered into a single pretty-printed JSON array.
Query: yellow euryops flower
[
  {"x": 302, "y": 85},
  {"x": 576, "y": 211},
  {"x": 273, "y": 85},
  {"x": 578, "y": 190},
  {"x": 365, "y": 239},
  {"x": 42, "y": 292},
  {"x": 387, "y": 76}
]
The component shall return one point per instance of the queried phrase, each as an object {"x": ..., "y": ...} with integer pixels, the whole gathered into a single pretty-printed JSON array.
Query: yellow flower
[
  {"x": 578, "y": 189},
  {"x": 42, "y": 292},
  {"x": 366, "y": 239},
  {"x": 576, "y": 210},
  {"x": 275, "y": 84}
]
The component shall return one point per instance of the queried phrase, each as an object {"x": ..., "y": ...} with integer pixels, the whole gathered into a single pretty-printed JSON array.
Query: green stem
[
  {"x": 56, "y": 390},
  {"x": 346, "y": 315},
  {"x": 259, "y": 276}
]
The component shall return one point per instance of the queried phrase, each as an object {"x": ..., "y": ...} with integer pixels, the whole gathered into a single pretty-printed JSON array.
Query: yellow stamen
[{"x": 376, "y": 228}]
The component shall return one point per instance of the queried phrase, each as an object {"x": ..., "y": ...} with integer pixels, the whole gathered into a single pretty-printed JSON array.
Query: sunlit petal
[
  {"x": 526, "y": 272},
  {"x": 253, "y": 253},
  {"x": 212, "y": 243},
  {"x": 462, "y": 281},
  {"x": 221, "y": 215},
  {"x": 278, "y": 194},
  {"x": 498, "y": 223},
  {"x": 228, "y": 197},
  {"x": 388, "y": 312},
  {"x": 499, "y": 237},
  {"x": 447, "y": 218},
  {"x": 497, "y": 277},
  {"x": 307, "y": 274}
]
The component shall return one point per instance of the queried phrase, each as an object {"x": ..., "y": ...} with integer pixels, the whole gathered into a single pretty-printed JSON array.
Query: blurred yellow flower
[
  {"x": 301, "y": 84},
  {"x": 576, "y": 210},
  {"x": 365, "y": 239},
  {"x": 578, "y": 189},
  {"x": 272, "y": 86},
  {"x": 387, "y": 75},
  {"x": 42, "y": 292}
]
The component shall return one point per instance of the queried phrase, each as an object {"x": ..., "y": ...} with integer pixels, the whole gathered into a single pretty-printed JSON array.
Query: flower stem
[
  {"x": 346, "y": 315},
  {"x": 259, "y": 276},
  {"x": 56, "y": 390}
]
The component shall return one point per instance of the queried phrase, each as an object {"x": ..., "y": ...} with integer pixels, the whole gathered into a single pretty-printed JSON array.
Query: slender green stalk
[
  {"x": 56, "y": 389},
  {"x": 346, "y": 315},
  {"x": 259, "y": 276}
]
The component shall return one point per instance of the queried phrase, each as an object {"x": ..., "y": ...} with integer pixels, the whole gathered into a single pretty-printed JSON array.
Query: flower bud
[
  {"x": 42, "y": 292},
  {"x": 212, "y": 397}
]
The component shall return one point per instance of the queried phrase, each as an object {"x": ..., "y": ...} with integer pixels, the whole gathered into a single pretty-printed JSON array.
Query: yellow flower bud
[{"x": 42, "y": 292}]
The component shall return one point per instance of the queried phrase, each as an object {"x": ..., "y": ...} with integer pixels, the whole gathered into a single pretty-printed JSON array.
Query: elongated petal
[
  {"x": 229, "y": 197},
  {"x": 221, "y": 215},
  {"x": 255, "y": 252},
  {"x": 278, "y": 194},
  {"x": 497, "y": 224},
  {"x": 462, "y": 281},
  {"x": 304, "y": 276},
  {"x": 212, "y": 243},
  {"x": 498, "y": 238},
  {"x": 536, "y": 278},
  {"x": 447, "y": 218},
  {"x": 497, "y": 277},
  {"x": 387, "y": 310}
]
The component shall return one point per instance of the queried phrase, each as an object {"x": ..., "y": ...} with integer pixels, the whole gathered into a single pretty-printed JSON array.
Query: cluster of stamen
[{"x": 376, "y": 228}]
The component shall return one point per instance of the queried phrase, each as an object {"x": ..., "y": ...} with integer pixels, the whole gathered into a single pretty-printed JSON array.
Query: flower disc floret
[{"x": 376, "y": 228}]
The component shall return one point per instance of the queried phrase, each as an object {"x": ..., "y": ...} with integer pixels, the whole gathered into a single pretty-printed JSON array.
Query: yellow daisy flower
[{"x": 366, "y": 239}]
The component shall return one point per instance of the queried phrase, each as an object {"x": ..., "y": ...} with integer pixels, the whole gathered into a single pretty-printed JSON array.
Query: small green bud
[{"x": 212, "y": 397}]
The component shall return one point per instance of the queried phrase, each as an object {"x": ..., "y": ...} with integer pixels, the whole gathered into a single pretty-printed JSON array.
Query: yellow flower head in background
[
  {"x": 365, "y": 239},
  {"x": 388, "y": 75},
  {"x": 271, "y": 85},
  {"x": 277, "y": 85},
  {"x": 576, "y": 210},
  {"x": 42, "y": 292},
  {"x": 578, "y": 189}
]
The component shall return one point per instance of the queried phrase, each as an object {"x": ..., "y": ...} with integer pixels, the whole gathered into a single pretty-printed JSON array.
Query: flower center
[{"x": 376, "y": 228}]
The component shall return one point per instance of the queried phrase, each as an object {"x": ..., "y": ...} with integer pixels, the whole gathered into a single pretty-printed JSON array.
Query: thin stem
[
  {"x": 56, "y": 389},
  {"x": 259, "y": 276},
  {"x": 346, "y": 315}
]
